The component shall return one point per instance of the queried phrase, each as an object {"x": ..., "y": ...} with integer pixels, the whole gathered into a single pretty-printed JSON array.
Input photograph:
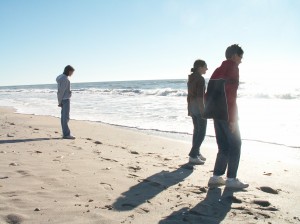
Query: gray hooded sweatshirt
[{"x": 63, "y": 88}]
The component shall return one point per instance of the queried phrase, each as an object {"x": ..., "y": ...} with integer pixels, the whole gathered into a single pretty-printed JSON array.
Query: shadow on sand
[
  {"x": 212, "y": 210},
  {"x": 150, "y": 187},
  {"x": 11, "y": 141}
]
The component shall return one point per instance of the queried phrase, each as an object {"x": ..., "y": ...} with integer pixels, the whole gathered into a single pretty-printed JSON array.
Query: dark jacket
[
  {"x": 220, "y": 98},
  {"x": 196, "y": 91}
]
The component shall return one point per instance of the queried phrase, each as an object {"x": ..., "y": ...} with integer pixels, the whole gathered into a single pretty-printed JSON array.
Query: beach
[{"x": 112, "y": 174}]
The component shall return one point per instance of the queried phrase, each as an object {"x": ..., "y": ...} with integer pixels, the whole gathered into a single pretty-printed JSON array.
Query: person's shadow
[
  {"x": 212, "y": 210},
  {"x": 150, "y": 187},
  {"x": 12, "y": 141}
]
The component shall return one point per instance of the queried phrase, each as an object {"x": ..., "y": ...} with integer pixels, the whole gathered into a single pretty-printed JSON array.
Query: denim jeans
[
  {"x": 198, "y": 135},
  {"x": 229, "y": 145},
  {"x": 65, "y": 117}
]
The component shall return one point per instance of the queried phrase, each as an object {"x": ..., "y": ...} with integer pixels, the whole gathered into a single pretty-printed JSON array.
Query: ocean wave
[
  {"x": 28, "y": 90},
  {"x": 282, "y": 96},
  {"x": 125, "y": 92},
  {"x": 163, "y": 92},
  {"x": 134, "y": 92}
]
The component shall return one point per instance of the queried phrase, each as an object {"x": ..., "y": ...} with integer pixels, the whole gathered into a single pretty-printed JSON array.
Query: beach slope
[{"x": 116, "y": 175}]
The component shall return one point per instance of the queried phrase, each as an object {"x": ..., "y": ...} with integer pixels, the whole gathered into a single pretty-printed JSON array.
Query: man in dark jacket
[{"x": 221, "y": 105}]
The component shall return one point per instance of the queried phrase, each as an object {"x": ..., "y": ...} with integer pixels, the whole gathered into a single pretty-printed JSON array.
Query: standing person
[
  {"x": 221, "y": 106},
  {"x": 195, "y": 99},
  {"x": 64, "y": 95}
]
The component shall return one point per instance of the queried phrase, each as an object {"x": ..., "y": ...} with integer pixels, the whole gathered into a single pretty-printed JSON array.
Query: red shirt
[{"x": 230, "y": 72}]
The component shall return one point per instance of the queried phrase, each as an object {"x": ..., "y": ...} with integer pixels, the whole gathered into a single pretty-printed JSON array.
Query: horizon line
[{"x": 131, "y": 80}]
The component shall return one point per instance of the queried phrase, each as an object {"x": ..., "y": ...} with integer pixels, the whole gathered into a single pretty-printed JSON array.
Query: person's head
[
  {"x": 234, "y": 53},
  {"x": 200, "y": 67},
  {"x": 68, "y": 70}
]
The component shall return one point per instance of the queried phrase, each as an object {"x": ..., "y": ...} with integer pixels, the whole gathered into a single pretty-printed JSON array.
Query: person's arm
[
  {"x": 200, "y": 94},
  {"x": 62, "y": 88},
  {"x": 232, "y": 84}
]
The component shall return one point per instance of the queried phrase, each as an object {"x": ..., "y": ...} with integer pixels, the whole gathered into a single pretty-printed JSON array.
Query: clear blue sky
[{"x": 107, "y": 40}]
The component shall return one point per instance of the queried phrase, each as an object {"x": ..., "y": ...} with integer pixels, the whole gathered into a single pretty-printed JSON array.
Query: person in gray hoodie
[{"x": 63, "y": 96}]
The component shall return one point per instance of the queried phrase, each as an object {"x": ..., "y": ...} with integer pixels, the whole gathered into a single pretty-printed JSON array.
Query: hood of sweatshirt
[{"x": 60, "y": 77}]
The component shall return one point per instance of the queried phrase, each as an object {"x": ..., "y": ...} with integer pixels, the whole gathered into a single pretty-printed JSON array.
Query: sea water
[{"x": 267, "y": 113}]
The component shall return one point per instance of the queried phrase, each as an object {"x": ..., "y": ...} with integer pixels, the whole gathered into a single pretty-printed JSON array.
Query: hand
[{"x": 233, "y": 127}]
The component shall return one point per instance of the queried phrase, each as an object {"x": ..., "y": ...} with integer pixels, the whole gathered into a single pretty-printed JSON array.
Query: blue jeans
[
  {"x": 65, "y": 117},
  {"x": 229, "y": 145},
  {"x": 198, "y": 135}
]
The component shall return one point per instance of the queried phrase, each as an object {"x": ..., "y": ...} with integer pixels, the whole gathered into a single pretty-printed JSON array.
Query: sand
[{"x": 116, "y": 175}]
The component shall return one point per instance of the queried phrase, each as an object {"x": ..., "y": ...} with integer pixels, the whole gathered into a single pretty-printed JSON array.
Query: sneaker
[
  {"x": 216, "y": 181},
  {"x": 196, "y": 161},
  {"x": 202, "y": 157},
  {"x": 69, "y": 137},
  {"x": 236, "y": 183}
]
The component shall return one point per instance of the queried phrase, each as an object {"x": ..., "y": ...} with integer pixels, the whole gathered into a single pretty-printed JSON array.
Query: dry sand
[{"x": 116, "y": 175}]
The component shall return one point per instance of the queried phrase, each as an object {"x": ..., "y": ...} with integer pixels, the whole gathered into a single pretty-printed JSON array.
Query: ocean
[{"x": 268, "y": 113}]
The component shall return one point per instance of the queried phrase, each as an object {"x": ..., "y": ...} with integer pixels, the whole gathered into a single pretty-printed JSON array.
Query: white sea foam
[{"x": 265, "y": 114}]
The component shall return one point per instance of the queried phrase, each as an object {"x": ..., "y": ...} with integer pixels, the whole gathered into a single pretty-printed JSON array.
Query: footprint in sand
[
  {"x": 14, "y": 219},
  {"x": 267, "y": 174},
  {"x": 58, "y": 159},
  {"x": 98, "y": 152},
  {"x": 111, "y": 160},
  {"x": 268, "y": 190},
  {"x": 107, "y": 186},
  {"x": 134, "y": 152},
  {"x": 130, "y": 175},
  {"x": 23, "y": 173},
  {"x": 134, "y": 168},
  {"x": 272, "y": 209},
  {"x": 109, "y": 207},
  {"x": 77, "y": 147},
  {"x": 262, "y": 203}
]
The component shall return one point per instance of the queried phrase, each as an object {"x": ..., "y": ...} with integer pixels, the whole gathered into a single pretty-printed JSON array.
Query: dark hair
[
  {"x": 198, "y": 64},
  {"x": 68, "y": 69},
  {"x": 232, "y": 50}
]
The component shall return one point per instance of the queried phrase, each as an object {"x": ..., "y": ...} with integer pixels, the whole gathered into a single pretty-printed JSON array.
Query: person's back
[
  {"x": 222, "y": 92},
  {"x": 63, "y": 88},
  {"x": 196, "y": 91}
]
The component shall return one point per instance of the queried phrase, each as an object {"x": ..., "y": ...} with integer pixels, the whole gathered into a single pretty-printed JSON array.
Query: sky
[{"x": 113, "y": 40}]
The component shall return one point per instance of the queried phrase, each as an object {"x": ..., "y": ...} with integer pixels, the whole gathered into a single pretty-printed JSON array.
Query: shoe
[
  {"x": 216, "y": 181},
  {"x": 202, "y": 157},
  {"x": 196, "y": 161},
  {"x": 236, "y": 183},
  {"x": 69, "y": 137}
]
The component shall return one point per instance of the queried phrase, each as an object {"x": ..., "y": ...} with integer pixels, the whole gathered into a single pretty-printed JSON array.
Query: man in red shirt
[{"x": 221, "y": 105}]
